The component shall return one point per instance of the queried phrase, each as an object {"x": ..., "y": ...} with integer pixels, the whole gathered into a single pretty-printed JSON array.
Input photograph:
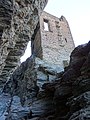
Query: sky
[{"x": 77, "y": 13}]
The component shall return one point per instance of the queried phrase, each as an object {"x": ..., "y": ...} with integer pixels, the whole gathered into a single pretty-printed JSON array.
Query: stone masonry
[{"x": 53, "y": 42}]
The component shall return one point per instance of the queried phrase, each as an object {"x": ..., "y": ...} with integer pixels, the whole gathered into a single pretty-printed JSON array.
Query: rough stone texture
[
  {"x": 23, "y": 104},
  {"x": 11, "y": 108},
  {"x": 55, "y": 44},
  {"x": 74, "y": 89},
  {"x": 23, "y": 79},
  {"x": 29, "y": 78},
  {"x": 71, "y": 93},
  {"x": 45, "y": 73},
  {"x": 67, "y": 98},
  {"x": 18, "y": 20},
  {"x": 6, "y": 12}
]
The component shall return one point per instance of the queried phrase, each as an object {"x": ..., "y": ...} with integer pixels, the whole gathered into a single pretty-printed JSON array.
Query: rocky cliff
[
  {"x": 36, "y": 90},
  {"x": 18, "y": 20},
  {"x": 65, "y": 97}
]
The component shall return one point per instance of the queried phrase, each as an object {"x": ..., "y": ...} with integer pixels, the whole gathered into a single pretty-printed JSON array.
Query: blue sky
[{"x": 77, "y": 13}]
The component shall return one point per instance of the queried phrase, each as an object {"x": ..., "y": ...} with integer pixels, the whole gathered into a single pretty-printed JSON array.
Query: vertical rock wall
[
  {"x": 18, "y": 20},
  {"x": 67, "y": 97},
  {"x": 6, "y": 14}
]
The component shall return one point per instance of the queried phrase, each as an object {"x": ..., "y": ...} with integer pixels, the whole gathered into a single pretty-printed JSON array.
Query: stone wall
[
  {"x": 18, "y": 20},
  {"x": 36, "y": 47},
  {"x": 56, "y": 42},
  {"x": 67, "y": 97}
]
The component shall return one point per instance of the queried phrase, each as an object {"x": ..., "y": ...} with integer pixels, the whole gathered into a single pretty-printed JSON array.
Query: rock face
[
  {"x": 67, "y": 97},
  {"x": 18, "y": 20},
  {"x": 72, "y": 93},
  {"x": 29, "y": 78},
  {"x": 64, "y": 96}
]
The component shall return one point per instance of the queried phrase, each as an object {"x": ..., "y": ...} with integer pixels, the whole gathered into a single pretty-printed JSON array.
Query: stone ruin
[
  {"x": 67, "y": 95},
  {"x": 21, "y": 22},
  {"x": 53, "y": 42}
]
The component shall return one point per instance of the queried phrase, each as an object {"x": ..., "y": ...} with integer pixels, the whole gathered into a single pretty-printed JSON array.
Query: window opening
[
  {"x": 46, "y": 25},
  {"x": 66, "y": 39}
]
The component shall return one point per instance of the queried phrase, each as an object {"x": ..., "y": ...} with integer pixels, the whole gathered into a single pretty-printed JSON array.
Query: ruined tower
[{"x": 53, "y": 42}]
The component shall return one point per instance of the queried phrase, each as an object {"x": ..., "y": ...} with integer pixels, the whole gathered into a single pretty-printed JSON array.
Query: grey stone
[
  {"x": 17, "y": 111},
  {"x": 5, "y": 100},
  {"x": 18, "y": 21}
]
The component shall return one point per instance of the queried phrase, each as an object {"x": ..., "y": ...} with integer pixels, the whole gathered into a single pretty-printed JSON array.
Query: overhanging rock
[{"x": 18, "y": 20}]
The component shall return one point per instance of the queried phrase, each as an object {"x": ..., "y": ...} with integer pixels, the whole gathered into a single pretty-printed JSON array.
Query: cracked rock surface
[
  {"x": 67, "y": 97},
  {"x": 60, "y": 96},
  {"x": 18, "y": 20}
]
